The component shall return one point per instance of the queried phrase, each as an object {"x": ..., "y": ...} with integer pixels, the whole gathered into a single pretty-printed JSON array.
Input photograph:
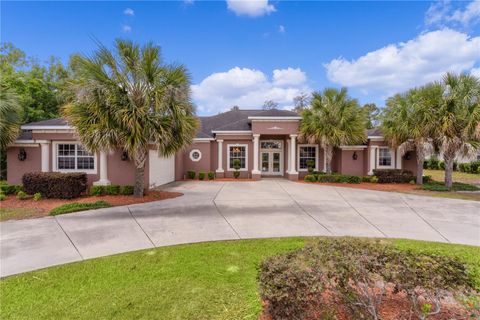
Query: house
[{"x": 265, "y": 141}]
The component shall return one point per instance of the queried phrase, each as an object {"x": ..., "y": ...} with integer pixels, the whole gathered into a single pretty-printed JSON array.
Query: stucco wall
[
  {"x": 16, "y": 168},
  {"x": 123, "y": 172},
  {"x": 204, "y": 164},
  {"x": 351, "y": 166}
]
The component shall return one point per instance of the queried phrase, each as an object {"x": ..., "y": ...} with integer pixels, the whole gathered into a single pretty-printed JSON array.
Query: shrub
[
  {"x": 432, "y": 163},
  {"x": 427, "y": 179},
  {"x": 338, "y": 178},
  {"x": 10, "y": 188},
  {"x": 475, "y": 166},
  {"x": 127, "y": 190},
  {"x": 355, "y": 272},
  {"x": 112, "y": 190},
  {"x": 2, "y": 196},
  {"x": 37, "y": 196},
  {"x": 310, "y": 166},
  {"x": 191, "y": 174},
  {"x": 393, "y": 175},
  {"x": 97, "y": 190},
  {"x": 310, "y": 178},
  {"x": 236, "y": 166},
  {"x": 21, "y": 195},
  {"x": 211, "y": 175},
  {"x": 55, "y": 184},
  {"x": 465, "y": 167},
  {"x": 76, "y": 206},
  {"x": 201, "y": 175}
]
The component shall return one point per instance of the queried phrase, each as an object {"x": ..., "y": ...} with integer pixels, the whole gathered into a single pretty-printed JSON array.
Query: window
[
  {"x": 237, "y": 152},
  {"x": 270, "y": 145},
  {"x": 73, "y": 157},
  {"x": 195, "y": 155},
  {"x": 306, "y": 153},
  {"x": 384, "y": 157}
]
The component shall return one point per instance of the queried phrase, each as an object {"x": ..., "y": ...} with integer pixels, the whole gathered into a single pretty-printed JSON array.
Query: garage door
[{"x": 161, "y": 170}]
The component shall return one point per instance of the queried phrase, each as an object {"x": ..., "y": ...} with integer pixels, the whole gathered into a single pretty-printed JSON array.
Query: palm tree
[
  {"x": 11, "y": 114},
  {"x": 408, "y": 122},
  {"x": 334, "y": 119},
  {"x": 128, "y": 99},
  {"x": 458, "y": 119}
]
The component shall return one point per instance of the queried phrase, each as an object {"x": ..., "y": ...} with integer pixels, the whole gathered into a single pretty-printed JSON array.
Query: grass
[
  {"x": 16, "y": 213},
  {"x": 439, "y": 175},
  {"x": 456, "y": 186},
  {"x": 215, "y": 280},
  {"x": 76, "y": 206}
]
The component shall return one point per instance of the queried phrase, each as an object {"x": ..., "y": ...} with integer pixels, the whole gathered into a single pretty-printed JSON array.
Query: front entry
[{"x": 271, "y": 157}]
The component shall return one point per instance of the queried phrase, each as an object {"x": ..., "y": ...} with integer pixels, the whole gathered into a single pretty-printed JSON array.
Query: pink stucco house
[{"x": 265, "y": 141}]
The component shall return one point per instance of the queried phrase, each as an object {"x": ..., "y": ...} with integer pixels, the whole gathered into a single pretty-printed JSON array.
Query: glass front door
[{"x": 271, "y": 157}]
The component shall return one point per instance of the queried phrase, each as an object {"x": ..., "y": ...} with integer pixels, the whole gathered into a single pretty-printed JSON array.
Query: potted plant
[
  {"x": 310, "y": 166},
  {"x": 236, "y": 166}
]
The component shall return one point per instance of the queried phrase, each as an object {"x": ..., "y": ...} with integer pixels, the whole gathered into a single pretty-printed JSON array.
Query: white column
[
  {"x": 45, "y": 147},
  {"x": 293, "y": 147},
  {"x": 103, "y": 170},
  {"x": 288, "y": 158},
  {"x": 373, "y": 159},
  {"x": 256, "y": 138},
  {"x": 398, "y": 162},
  {"x": 220, "y": 156},
  {"x": 324, "y": 160}
]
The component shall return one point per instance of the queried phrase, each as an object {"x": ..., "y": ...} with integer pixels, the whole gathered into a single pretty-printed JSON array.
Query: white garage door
[{"x": 161, "y": 170}]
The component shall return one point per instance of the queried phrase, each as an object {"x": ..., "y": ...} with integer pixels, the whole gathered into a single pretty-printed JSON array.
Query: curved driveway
[{"x": 211, "y": 211}]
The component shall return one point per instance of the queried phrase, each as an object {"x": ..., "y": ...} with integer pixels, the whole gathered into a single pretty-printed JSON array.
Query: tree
[
  {"x": 128, "y": 99},
  {"x": 334, "y": 119},
  {"x": 372, "y": 113},
  {"x": 10, "y": 116},
  {"x": 458, "y": 119},
  {"x": 269, "y": 105},
  {"x": 301, "y": 102},
  {"x": 408, "y": 122}
]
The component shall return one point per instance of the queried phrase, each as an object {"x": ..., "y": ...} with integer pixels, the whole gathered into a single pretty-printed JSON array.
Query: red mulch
[
  {"x": 393, "y": 307},
  {"x": 42, "y": 207},
  {"x": 221, "y": 179},
  {"x": 370, "y": 186}
]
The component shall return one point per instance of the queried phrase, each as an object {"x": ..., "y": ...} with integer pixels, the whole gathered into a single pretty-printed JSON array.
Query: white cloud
[
  {"x": 281, "y": 29},
  {"x": 248, "y": 88},
  {"x": 400, "y": 66},
  {"x": 252, "y": 8},
  {"x": 443, "y": 13},
  {"x": 129, "y": 12},
  {"x": 188, "y": 2},
  {"x": 475, "y": 72},
  {"x": 127, "y": 29}
]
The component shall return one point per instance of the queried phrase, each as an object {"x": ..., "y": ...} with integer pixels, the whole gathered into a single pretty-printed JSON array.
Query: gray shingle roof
[
  {"x": 233, "y": 120},
  {"x": 374, "y": 132}
]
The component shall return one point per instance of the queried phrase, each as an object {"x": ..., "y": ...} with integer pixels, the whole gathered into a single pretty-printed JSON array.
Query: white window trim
[
  {"x": 298, "y": 156},
  {"x": 246, "y": 156},
  {"x": 54, "y": 158},
  {"x": 199, "y": 157},
  {"x": 392, "y": 155}
]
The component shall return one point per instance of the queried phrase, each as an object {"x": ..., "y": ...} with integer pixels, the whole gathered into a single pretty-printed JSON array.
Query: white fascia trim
[
  {"x": 203, "y": 139},
  {"x": 361, "y": 147},
  {"x": 23, "y": 141},
  {"x": 232, "y": 132},
  {"x": 28, "y": 127},
  {"x": 24, "y": 145},
  {"x": 376, "y": 138},
  {"x": 275, "y": 118}
]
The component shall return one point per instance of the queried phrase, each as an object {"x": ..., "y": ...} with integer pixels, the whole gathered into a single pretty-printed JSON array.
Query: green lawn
[
  {"x": 439, "y": 175},
  {"x": 16, "y": 213},
  {"x": 201, "y": 281}
]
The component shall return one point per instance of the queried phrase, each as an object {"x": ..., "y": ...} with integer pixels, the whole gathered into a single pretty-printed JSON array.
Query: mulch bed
[
  {"x": 399, "y": 187},
  {"x": 42, "y": 207}
]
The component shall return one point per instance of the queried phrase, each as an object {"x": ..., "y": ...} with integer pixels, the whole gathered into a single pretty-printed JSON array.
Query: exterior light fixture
[
  {"x": 407, "y": 156},
  {"x": 22, "y": 154},
  {"x": 124, "y": 156},
  {"x": 355, "y": 155}
]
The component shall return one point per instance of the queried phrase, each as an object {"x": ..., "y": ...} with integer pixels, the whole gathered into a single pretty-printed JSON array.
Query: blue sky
[{"x": 245, "y": 52}]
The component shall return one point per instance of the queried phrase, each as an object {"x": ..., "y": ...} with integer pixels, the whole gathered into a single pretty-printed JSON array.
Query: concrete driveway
[{"x": 211, "y": 211}]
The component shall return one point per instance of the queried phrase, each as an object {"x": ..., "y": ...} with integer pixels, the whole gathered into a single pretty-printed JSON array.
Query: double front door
[{"x": 271, "y": 157}]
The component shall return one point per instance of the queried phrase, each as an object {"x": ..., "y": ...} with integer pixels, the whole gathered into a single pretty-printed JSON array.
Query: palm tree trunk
[
  {"x": 448, "y": 158},
  {"x": 139, "y": 159},
  {"x": 329, "y": 157},
  {"x": 419, "y": 150}
]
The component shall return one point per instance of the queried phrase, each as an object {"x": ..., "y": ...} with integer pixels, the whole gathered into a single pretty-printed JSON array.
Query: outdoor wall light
[
  {"x": 355, "y": 155},
  {"x": 22, "y": 154},
  {"x": 407, "y": 156},
  {"x": 124, "y": 156}
]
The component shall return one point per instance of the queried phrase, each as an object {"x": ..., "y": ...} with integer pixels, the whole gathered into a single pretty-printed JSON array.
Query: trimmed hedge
[
  {"x": 393, "y": 175},
  {"x": 211, "y": 175},
  {"x": 335, "y": 178},
  {"x": 201, "y": 175},
  {"x": 8, "y": 189},
  {"x": 191, "y": 174},
  {"x": 55, "y": 184},
  {"x": 127, "y": 190},
  {"x": 76, "y": 206}
]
